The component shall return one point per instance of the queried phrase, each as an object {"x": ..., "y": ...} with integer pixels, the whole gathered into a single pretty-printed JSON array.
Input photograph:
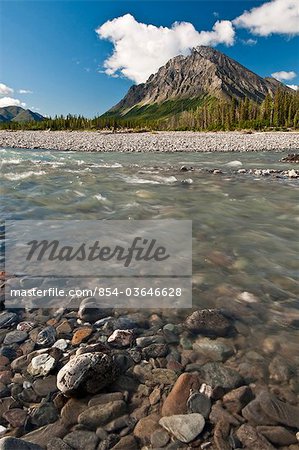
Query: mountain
[
  {"x": 18, "y": 114},
  {"x": 186, "y": 82}
]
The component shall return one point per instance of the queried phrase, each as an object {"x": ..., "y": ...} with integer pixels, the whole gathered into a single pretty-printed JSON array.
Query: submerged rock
[
  {"x": 185, "y": 427},
  {"x": 210, "y": 322},
  {"x": 86, "y": 373}
]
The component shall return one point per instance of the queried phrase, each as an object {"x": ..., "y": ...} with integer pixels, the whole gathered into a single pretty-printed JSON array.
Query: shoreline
[{"x": 163, "y": 141}]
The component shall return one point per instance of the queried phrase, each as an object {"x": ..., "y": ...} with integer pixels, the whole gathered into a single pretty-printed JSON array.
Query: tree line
[{"x": 280, "y": 111}]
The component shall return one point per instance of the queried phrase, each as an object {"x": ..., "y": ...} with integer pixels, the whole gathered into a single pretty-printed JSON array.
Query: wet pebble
[{"x": 185, "y": 427}]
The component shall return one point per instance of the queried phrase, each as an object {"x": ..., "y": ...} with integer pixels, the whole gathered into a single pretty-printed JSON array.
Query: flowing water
[{"x": 245, "y": 227}]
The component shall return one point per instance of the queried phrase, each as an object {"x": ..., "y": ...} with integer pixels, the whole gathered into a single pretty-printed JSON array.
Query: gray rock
[
  {"x": 278, "y": 435},
  {"x": 7, "y": 319},
  {"x": 210, "y": 322},
  {"x": 217, "y": 350},
  {"x": 159, "y": 438},
  {"x": 185, "y": 427},
  {"x": 216, "y": 374},
  {"x": 11, "y": 443},
  {"x": 199, "y": 403},
  {"x": 90, "y": 311},
  {"x": 58, "y": 444},
  {"x": 155, "y": 351},
  {"x": 252, "y": 440},
  {"x": 46, "y": 337},
  {"x": 15, "y": 337},
  {"x": 43, "y": 414},
  {"x": 99, "y": 415},
  {"x": 81, "y": 439},
  {"x": 89, "y": 373}
]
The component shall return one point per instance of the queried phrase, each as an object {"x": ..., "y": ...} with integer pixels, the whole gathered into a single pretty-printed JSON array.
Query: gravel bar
[{"x": 174, "y": 141}]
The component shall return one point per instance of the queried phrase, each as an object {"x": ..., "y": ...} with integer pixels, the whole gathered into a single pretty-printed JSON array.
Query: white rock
[
  {"x": 41, "y": 365},
  {"x": 61, "y": 344},
  {"x": 185, "y": 427}
]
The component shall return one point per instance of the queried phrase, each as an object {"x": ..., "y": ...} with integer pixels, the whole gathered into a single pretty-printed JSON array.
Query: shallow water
[{"x": 245, "y": 228}]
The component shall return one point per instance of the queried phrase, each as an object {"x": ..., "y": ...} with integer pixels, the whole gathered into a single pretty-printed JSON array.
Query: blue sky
[{"x": 53, "y": 50}]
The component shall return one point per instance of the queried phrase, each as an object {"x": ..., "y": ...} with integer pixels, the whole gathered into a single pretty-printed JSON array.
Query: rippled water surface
[{"x": 245, "y": 227}]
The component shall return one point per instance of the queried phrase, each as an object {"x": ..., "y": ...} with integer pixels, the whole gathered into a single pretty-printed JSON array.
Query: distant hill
[
  {"x": 18, "y": 114},
  {"x": 186, "y": 82}
]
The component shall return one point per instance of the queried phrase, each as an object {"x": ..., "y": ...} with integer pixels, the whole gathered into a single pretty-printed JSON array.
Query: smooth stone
[
  {"x": 216, "y": 374},
  {"x": 16, "y": 417},
  {"x": 267, "y": 409},
  {"x": 185, "y": 427},
  {"x": 121, "y": 338},
  {"x": 159, "y": 438},
  {"x": 251, "y": 439},
  {"x": 46, "y": 337},
  {"x": 43, "y": 414},
  {"x": 7, "y": 319},
  {"x": 119, "y": 423},
  {"x": 81, "y": 335},
  {"x": 61, "y": 344},
  {"x": 89, "y": 372},
  {"x": 126, "y": 443},
  {"x": 176, "y": 401},
  {"x": 146, "y": 426},
  {"x": 217, "y": 350},
  {"x": 44, "y": 434},
  {"x": 89, "y": 310},
  {"x": 199, "y": 403},
  {"x": 277, "y": 435},
  {"x": 210, "y": 322},
  {"x": 41, "y": 365},
  {"x": 280, "y": 411},
  {"x": 71, "y": 411},
  {"x": 15, "y": 337},
  {"x": 279, "y": 370},
  {"x": 63, "y": 328},
  {"x": 97, "y": 416},
  {"x": 102, "y": 399},
  {"x": 45, "y": 386},
  {"x": 11, "y": 443},
  {"x": 81, "y": 439},
  {"x": 237, "y": 399}
]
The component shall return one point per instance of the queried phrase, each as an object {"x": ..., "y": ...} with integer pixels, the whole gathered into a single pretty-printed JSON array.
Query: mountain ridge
[
  {"x": 204, "y": 74},
  {"x": 18, "y": 114}
]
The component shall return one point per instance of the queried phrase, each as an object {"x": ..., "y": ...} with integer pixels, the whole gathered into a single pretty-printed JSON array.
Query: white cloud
[
  {"x": 5, "y": 90},
  {"x": 293, "y": 86},
  {"x": 249, "y": 42},
  {"x": 9, "y": 101},
  {"x": 24, "y": 91},
  {"x": 283, "y": 75},
  {"x": 140, "y": 49},
  {"x": 276, "y": 16}
]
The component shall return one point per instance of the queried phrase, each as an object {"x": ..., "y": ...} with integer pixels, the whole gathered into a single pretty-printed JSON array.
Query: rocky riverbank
[
  {"x": 151, "y": 142},
  {"x": 96, "y": 380}
]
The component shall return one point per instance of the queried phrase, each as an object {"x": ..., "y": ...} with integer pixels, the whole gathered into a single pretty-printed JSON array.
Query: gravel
[{"x": 185, "y": 141}]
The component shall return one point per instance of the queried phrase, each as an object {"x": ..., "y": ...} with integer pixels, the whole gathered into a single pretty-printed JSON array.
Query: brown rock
[
  {"x": 237, "y": 399},
  {"x": 252, "y": 440},
  {"x": 102, "y": 399},
  {"x": 176, "y": 402},
  {"x": 277, "y": 435},
  {"x": 63, "y": 328},
  {"x": 99, "y": 415},
  {"x": 42, "y": 435},
  {"x": 218, "y": 414},
  {"x": 221, "y": 434},
  {"x": 126, "y": 443},
  {"x": 72, "y": 409},
  {"x": 145, "y": 427},
  {"x": 210, "y": 322},
  {"x": 16, "y": 417},
  {"x": 81, "y": 335}
]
